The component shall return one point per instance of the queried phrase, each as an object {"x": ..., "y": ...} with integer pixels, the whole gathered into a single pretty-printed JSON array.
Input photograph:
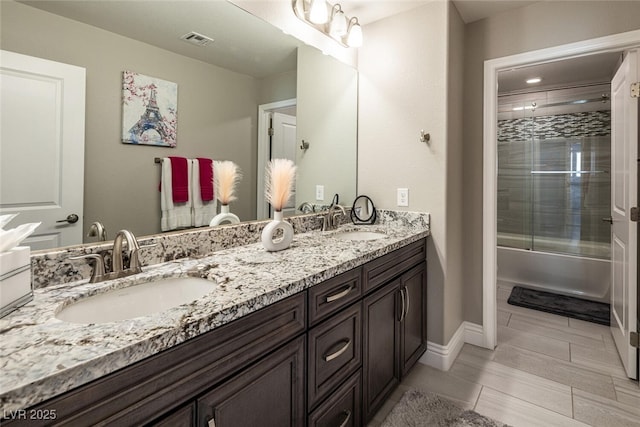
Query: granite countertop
[{"x": 41, "y": 356}]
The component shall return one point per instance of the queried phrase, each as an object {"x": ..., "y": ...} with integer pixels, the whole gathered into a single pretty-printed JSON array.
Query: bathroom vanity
[{"x": 312, "y": 340}]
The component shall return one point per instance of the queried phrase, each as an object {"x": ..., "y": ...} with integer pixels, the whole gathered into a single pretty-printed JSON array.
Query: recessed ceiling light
[{"x": 534, "y": 80}]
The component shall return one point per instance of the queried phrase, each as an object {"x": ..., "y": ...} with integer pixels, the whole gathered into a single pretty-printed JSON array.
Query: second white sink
[{"x": 137, "y": 300}]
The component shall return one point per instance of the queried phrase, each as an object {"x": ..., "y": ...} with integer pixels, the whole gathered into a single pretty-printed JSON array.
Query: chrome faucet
[
  {"x": 97, "y": 230},
  {"x": 329, "y": 221},
  {"x": 305, "y": 207},
  {"x": 118, "y": 269},
  {"x": 133, "y": 249}
]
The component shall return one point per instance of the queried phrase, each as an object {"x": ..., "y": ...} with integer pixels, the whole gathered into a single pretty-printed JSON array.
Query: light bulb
[
  {"x": 354, "y": 39},
  {"x": 318, "y": 13},
  {"x": 338, "y": 27}
]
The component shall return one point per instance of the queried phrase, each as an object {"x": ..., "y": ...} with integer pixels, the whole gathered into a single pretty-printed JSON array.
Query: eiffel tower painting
[{"x": 149, "y": 113}]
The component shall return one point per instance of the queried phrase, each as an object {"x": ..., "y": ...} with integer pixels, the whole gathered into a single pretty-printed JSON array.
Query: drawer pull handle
[
  {"x": 330, "y": 357},
  {"x": 346, "y": 418},
  {"x": 341, "y": 294}
]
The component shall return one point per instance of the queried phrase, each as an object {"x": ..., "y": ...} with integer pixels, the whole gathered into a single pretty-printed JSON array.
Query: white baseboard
[{"x": 442, "y": 356}]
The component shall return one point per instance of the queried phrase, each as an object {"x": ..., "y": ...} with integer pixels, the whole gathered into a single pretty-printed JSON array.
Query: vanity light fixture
[
  {"x": 330, "y": 20},
  {"x": 354, "y": 36},
  {"x": 318, "y": 12},
  {"x": 534, "y": 80},
  {"x": 338, "y": 27}
]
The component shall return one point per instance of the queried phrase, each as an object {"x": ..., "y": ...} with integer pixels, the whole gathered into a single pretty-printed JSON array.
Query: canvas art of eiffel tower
[{"x": 144, "y": 121}]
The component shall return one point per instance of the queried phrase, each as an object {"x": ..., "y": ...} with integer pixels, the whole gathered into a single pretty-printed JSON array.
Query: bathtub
[{"x": 582, "y": 277}]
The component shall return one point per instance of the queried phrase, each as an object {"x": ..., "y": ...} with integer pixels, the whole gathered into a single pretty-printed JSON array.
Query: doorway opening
[
  {"x": 615, "y": 43},
  {"x": 276, "y": 139}
]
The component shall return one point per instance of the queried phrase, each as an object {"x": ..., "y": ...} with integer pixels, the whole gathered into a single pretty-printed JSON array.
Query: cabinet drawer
[
  {"x": 330, "y": 296},
  {"x": 343, "y": 408},
  {"x": 335, "y": 352},
  {"x": 385, "y": 268}
]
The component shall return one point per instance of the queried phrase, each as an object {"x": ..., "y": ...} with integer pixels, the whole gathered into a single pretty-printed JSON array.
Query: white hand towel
[
  {"x": 203, "y": 211},
  {"x": 174, "y": 215}
]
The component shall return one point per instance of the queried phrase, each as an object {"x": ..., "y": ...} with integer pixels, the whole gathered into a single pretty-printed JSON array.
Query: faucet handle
[
  {"x": 98, "y": 267},
  {"x": 134, "y": 260}
]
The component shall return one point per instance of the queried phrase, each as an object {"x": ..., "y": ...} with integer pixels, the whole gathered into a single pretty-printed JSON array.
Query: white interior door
[
  {"x": 42, "y": 115},
  {"x": 283, "y": 146},
  {"x": 624, "y": 196}
]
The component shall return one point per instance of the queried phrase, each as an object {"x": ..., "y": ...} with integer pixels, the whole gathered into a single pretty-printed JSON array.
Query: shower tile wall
[
  {"x": 554, "y": 183},
  {"x": 592, "y": 123}
]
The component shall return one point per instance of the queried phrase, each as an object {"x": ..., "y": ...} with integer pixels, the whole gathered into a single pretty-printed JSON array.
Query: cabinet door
[
  {"x": 413, "y": 328},
  {"x": 268, "y": 394},
  {"x": 183, "y": 417},
  {"x": 381, "y": 346}
]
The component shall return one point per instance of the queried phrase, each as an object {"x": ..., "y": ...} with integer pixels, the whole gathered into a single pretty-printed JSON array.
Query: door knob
[
  {"x": 71, "y": 219},
  {"x": 608, "y": 219}
]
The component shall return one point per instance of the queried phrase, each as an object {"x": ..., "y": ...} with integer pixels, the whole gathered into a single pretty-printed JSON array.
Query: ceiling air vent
[{"x": 196, "y": 38}]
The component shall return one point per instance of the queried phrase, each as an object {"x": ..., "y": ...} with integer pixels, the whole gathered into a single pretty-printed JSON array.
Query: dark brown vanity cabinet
[
  {"x": 329, "y": 356},
  {"x": 394, "y": 322},
  {"x": 386, "y": 326}
]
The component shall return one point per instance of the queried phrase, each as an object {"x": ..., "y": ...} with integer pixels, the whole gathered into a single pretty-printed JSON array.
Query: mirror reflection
[{"x": 221, "y": 87}]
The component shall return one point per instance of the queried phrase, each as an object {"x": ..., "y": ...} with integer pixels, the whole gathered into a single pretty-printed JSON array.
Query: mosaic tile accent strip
[{"x": 592, "y": 123}]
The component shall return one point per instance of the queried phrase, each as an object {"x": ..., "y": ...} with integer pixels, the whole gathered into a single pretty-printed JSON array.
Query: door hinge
[
  {"x": 635, "y": 214},
  {"x": 270, "y": 131},
  {"x": 635, "y": 90},
  {"x": 633, "y": 340}
]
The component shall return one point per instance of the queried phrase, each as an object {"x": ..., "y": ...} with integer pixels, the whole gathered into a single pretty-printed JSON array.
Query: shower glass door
[
  {"x": 515, "y": 221},
  {"x": 553, "y": 175}
]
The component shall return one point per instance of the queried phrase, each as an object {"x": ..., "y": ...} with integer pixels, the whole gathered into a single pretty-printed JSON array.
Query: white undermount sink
[
  {"x": 137, "y": 300},
  {"x": 359, "y": 235}
]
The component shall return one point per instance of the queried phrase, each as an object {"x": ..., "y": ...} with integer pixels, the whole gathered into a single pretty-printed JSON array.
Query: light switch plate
[
  {"x": 319, "y": 193},
  {"x": 403, "y": 197}
]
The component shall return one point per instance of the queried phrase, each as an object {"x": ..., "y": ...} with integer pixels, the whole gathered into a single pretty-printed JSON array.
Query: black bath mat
[{"x": 578, "y": 308}]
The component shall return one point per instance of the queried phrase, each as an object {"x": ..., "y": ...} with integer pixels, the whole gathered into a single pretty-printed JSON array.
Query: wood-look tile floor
[{"x": 547, "y": 370}]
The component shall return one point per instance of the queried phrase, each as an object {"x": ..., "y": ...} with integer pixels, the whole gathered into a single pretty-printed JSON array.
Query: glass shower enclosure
[{"x": 554, "y": 151}]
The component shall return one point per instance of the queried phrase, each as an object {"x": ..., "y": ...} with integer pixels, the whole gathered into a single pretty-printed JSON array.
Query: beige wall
[
  {"x": 329, "y": 124},
  {"x": 454, "y": 289},
  {"x": 217, "y": 114},
  {"x": 404, "y": 87},
  {"x": 537, "y": 26}
]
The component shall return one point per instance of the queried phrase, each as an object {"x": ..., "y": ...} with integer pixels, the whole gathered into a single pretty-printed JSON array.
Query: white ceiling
[
  {"x": 580, "y": 71},
  {"x": 249, "y": 45},
  {"x": 243, "y": 43},
  {"x": 369, "y": 11}
]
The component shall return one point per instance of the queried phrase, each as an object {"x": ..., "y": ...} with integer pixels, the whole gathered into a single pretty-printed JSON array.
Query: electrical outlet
[
  {"x": 403, "y": 197},
  {"x": 319, "y": 193}
]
